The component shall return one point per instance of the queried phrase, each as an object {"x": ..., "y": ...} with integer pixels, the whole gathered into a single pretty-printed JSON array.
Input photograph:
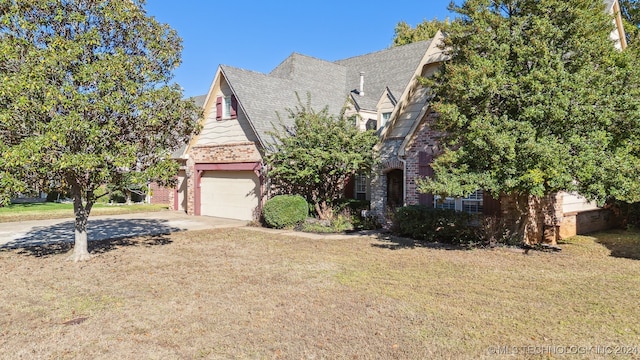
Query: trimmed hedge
[
  {"x": 285, "y": 210},
  {"x": 434, "y": 225}
]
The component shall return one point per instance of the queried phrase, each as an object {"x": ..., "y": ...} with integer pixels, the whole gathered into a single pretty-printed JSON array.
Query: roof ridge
[
  {"x": 242, "y": 69},
  {"x": 391, "y": 48}
]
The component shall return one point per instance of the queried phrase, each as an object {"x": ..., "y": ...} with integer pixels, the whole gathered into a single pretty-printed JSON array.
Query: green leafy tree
[
  {"x": 426, "y": 30},
  {"x": 630, "y": 10},
  {"x": 317, "y": 155},
  {"x": 86, "y": 99},
  {"x": 534, "y": 100}
]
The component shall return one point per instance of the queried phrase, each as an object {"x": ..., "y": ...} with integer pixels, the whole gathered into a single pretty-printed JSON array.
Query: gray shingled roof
[
  {"x": 392, "y": 68},
  {"x": 199, "y": 100},
  {"x": 329, "y": 83},
  {"x": 263, "y": 97}
]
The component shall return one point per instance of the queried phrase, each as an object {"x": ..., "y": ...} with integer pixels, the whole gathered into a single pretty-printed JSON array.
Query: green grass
[{"x": 50, "y": 210}]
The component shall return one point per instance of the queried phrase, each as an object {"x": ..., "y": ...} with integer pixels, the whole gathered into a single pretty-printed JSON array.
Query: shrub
[
  {"x": 426, "y": 223},
  {"x": 285, "y": 210},
  {"x": 358, "y": 212},
  {"x": 339, "y": 224}
]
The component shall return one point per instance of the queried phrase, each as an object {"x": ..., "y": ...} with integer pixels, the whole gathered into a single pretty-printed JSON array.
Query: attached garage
[{"x": 229, "y": 194}]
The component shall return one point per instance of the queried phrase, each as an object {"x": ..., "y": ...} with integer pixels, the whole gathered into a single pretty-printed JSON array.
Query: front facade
[{"x": 223, "y": 173}]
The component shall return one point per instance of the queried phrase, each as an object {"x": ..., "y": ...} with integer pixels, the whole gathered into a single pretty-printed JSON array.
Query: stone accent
[{"x": 388, "y": 161}]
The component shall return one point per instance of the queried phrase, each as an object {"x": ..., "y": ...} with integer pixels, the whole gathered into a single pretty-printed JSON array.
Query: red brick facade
[
  {"x": 424, "y": 140},
  {"x": 161, "y": 195}
]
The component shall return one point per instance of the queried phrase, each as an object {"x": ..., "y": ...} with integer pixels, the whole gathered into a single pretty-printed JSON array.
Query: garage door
[{"x": 229, "y": 194}]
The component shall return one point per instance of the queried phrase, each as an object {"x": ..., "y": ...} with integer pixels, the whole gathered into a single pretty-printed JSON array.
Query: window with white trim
[
  {"x": 361, "y": 187},
  {"x": 226, "y": 107},
  {"x": 471, "y": 204}
]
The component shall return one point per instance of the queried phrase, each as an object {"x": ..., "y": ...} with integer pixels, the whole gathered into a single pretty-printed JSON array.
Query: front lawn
[
  {"x": 237, "y": 293},
  {"x": 51, "y": 210}
]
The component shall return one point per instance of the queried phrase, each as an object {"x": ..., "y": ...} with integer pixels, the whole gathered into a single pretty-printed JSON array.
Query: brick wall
[
  {"x": 425, "y": 139},
  {"x": 161, "y": 195}
]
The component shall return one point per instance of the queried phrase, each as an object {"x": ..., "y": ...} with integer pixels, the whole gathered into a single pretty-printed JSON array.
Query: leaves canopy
[
  {"x": 535, "y": 99},
  {"x": 318, "y": 154},
  {"x": 630, "y": 10},
  {"x": 426, "y": 30},
  {"x": 85, "y": 97}
]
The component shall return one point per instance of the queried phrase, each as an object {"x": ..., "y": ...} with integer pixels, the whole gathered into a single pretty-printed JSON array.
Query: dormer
[{"x": 384, "y": 108}]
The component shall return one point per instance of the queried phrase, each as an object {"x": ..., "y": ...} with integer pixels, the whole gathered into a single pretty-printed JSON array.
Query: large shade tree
[
  {"x": 630, "y": 10},
  {"x": 86, "y": 100},
  {"x": 534, "y": 100},
  {"x": 426, "y": 30}
]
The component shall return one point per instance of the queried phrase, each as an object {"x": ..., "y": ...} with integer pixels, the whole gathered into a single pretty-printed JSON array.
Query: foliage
[
  {"x": 86, "y": 99},
  {"x": 627, "y": 214},
  {"x": 630, "y": 10},
  {"x": 426, "y": 223},
  {"x": 317, "y": 154},
  {"x": 283, "y": 211},
  {"x": 358, "y": 213},
  {"x": 535, "y": 99},
  {"x": 340, "y": 223},
  {"x": 426, "y": 30},
  {"x": 494, "y": 230}
]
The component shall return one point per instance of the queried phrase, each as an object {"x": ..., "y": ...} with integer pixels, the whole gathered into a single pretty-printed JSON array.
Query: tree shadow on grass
[
  {"x": 104, "y": 235},
  {"x": 393, "y": 242},
  {"x": 621, "y": 243}
]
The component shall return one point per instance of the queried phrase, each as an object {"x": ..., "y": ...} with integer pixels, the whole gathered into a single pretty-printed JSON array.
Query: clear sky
[{"x": 258, "y": 35}]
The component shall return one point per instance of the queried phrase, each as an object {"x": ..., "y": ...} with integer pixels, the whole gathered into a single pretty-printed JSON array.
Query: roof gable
[
  {"x": 391, "y": 69},
  {"x": 265, "y": 98}
]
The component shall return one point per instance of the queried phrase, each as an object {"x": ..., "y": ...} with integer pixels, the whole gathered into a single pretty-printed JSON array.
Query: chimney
[{"x": 361, "y": 92}]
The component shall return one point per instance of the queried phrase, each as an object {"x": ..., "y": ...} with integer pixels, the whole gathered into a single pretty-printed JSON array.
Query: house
[{"x": 222, "y": 169}]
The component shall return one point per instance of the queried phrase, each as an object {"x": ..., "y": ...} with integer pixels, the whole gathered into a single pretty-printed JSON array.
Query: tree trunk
[
  {"x": 325, "y": 212},
  {"x": 81, "y": 245}
]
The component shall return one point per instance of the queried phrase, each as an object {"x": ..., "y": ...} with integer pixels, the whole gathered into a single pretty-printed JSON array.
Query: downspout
[{"x": 404, "y": 180}]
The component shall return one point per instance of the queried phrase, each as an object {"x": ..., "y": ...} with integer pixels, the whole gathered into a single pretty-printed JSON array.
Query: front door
[{"x": 395, "y": 188}]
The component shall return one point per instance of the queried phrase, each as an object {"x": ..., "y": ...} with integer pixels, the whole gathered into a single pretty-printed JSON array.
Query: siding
[{"x": 572, "y": 202}]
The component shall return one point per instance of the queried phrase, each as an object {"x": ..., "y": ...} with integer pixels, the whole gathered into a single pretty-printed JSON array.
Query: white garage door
[{"x": 229, "y": 194}]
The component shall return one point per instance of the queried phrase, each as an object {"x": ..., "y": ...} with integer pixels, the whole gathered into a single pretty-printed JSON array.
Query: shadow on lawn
[
  {"x": 621, "y": 243},
  {"x": 392, "y": 242},
  {"x": 104, "y": 235}
]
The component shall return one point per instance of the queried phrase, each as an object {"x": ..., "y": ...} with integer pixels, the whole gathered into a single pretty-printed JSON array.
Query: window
[
  {"x": 361, "y": 187},
  {"x": 226, "y": 107},
  {"x": 385, "y": 118},
  {"x": 447, "y": 203},
  {"x": 471, "y": 204},
  {"x": 372, "y": 124}
]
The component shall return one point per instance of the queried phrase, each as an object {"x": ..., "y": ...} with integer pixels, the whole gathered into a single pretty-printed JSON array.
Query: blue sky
[{"x": 258, "y": 35}]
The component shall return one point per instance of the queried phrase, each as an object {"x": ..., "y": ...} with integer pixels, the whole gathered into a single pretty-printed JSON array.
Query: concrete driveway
[{"x": 38, "y": 232}]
